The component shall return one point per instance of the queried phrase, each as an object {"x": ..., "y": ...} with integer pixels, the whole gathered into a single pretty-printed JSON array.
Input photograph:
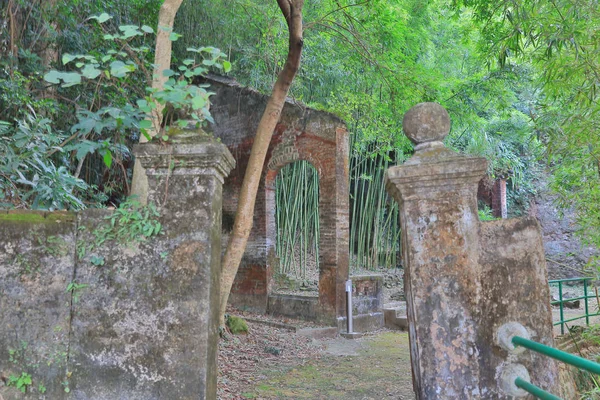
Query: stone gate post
[
  {"x": 186, "y": 178},
  {"x": 464, "y": 279}
]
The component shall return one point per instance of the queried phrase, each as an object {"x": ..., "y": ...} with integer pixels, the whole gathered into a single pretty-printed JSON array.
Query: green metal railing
[
  {"x": 565, "y": 357},
  {"x": 534, "y": 390},
  {"x": 561, "y": 301}
]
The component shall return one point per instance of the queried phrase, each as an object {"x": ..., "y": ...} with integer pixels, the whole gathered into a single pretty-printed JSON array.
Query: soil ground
[{"x": 276, "y": 363}]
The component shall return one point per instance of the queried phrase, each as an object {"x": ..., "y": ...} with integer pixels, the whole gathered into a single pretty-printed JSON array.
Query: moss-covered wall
[
  {"x": 90, "y": 308},
  {"x": 37, "y": 264}
]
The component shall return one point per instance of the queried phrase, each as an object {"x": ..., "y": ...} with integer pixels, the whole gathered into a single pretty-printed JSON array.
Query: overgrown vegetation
[
  {"x": 67, "y": 131},
  {"x": 519, "y": 80}
]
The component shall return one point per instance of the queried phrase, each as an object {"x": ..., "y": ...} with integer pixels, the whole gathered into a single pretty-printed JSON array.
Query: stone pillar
[
  {"x": 456, "y": 300},
  {"x": 186, "y": 177},
  {"x": 499, "y": 208}
]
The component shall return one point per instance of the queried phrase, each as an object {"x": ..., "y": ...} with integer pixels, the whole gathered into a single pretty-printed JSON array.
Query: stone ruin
[
  {"x": 301, "y": 134},
  {"x": 143, "y": 324},
  {"x": 465, "y": 279},
  {"x": 88, "y": 316}
]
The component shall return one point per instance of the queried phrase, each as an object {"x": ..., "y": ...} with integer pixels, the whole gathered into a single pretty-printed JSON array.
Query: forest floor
[{"x": 273, "y": 362}]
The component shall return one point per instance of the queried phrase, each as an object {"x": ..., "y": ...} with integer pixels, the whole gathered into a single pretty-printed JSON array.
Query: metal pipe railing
[
  {"x": 565, "y": 357},
  {"x": 561, "y": 301},
  {"x": 534, "y": 390}
]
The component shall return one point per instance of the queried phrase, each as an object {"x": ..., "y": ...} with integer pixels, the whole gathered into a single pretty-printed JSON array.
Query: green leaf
[
  {"x": 67, "y": 58},
  {"x": 147, "y": 29},
  {"x": 165, "y": 137},
  {"x": 198, "y": 102},
  {"x": 102, "y": 18},
  {"x": 174, "y": 36},
  {"x": 145, "y": 124},
  {"x": 52, "y": 76},
  {"x": 226, "y": 66},
  {"x": 70, "y": 79},
  {"x": 90, "y": 71},
  {"x": 129, "y": 31},
  {"x": 168, "y": 72},
  {"x": 84, "y": 148},
  {"x": 107, "y": 158},
  {"x": 119, "y": 69},
  {"x": 143, "y": 105}
]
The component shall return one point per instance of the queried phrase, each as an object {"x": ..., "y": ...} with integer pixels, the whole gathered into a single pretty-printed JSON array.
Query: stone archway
[{"x": 301, "y": 134}]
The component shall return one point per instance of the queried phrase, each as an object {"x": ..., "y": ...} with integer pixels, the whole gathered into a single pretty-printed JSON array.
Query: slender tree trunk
[
  {"x": 162, "y": 61},
  {"x": 292, "y": 11}
]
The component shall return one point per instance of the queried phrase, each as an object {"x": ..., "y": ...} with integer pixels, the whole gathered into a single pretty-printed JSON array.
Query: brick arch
[
  {"x": 301, "y": 134},
  {"x": 274, "y": 165}
]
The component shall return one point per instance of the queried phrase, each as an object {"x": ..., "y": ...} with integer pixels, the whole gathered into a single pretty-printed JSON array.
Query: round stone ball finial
[{"x": 426, "y": 122}]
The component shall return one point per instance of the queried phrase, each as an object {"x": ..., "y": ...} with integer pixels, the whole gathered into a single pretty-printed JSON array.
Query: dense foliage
[
  {"x": 518, "y": 78},
  {"x": 559, "y": 39}
]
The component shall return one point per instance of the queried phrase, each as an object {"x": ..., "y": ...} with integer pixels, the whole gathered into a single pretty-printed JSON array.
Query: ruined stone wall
[
  {"x": 88, "y": 321},
  {"x": 36, "y": 265},
  {"x": 88, "y": 314},
  {"x": 301, "y": 134}
]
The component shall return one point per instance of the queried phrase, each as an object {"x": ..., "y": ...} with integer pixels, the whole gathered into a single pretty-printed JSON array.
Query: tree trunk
[
  {"x": 292, "y": 11},
  {"x": 162, "y": 61}
]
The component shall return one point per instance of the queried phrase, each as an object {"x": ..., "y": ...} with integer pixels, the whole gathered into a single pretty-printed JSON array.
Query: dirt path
[{"x": 373, "y": 367}]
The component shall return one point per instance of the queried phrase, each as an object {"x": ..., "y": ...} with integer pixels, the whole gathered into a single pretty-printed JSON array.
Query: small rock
[
  {"x": 397, "y": 296},
  {"x": 572, "y": 304},
  {"x": 273, "y": 350}
]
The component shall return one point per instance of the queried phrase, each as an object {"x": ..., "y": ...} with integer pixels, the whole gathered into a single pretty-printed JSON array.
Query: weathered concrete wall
[
  {"x": 514, "y": 287},
  {"x": 138, "y": 325},
  {"x": 464, "y": 279},
  {"x": 367, "y": 304},
  {"x": 301, "y": 134},
  {"x": 303, "y": 307},
  {"x": 36, "y": 264}
]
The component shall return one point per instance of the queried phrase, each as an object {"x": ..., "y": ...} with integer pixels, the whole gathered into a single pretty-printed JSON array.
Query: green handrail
[
  {"x": 534, "y": 390},
  {"x": 578, "y": 362},
  {"x": 561, "y": 301}
]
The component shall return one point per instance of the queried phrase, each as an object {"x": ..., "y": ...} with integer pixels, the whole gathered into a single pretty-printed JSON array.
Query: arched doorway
[{"x": 297, "y": 229}]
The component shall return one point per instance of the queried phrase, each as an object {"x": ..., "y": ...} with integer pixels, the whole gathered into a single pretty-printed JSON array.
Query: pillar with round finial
[
  {"x": 426, "y": 124},
  {"x": 436, "y": 189},
  {"x": 464, "y": 279}
]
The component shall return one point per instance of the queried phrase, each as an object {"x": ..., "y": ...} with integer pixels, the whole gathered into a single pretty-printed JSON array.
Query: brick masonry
[{"x": 301, "y": 134}]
